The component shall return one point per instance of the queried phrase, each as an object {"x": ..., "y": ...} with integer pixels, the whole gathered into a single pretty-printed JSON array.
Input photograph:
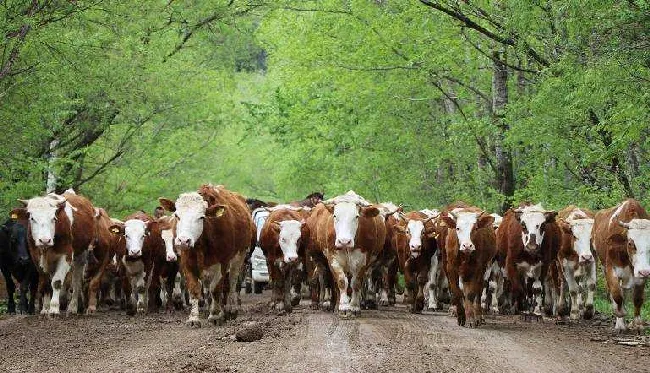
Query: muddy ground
[{"x": 387, "y": 340}]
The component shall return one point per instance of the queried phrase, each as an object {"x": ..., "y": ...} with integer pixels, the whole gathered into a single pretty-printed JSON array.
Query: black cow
[{"x": 15, "y": 262}]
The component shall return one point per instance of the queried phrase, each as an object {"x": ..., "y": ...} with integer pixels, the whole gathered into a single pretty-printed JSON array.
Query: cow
[
  {"x": 621, "y": 237},
  {"x": 388, "y": 262},
  {"x": 576, "y": 261},
  {"x": 527, "y": 244},
  {"x": 145, "y": 261},
  {"x": 283, "y": 240},
  {"x": 61, "y": 229},
  {"x": 437, "y": 284},
  {"x": 310, "y": 201},
  {"x": 213, "y": 232},
  {"x": 16, "y": 263},
  {"x": 470, "y": 247},
  {"x": 350, "y": 233},
  {"x": 413, "y": 243}
]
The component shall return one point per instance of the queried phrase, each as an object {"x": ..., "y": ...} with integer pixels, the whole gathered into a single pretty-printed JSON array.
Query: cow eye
[
  {"x": 458, "y": 229},
  {"x": 201, "y": 217}
]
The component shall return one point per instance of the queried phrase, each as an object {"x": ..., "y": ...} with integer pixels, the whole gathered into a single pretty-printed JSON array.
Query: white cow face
[
  {"x": 135, "y": 231},
  {"x": 415, "y": 230},
  {"x": 638, "y": 246},
  {"x": 533, "y": 220},
  {"x": 289, "y": 235},
  {"x": 43, "y": 217},
  {"x": 465, "y": 223},
  {"x": 581, "y": 231},
  {"x": 346, "y": 222},
  {"x": 190, "y": 211}
]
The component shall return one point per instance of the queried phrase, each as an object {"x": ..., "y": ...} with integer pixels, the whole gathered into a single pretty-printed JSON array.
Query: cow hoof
[
  {"x": 575, "y": 315},
  {"x": 371, "y": 305},
  {"x": 452, "y": 311},
  {"x": 91, "y": 310},
  {"x": 384, "y": 302},
  {"x": 461, "y": 320},
  {"x": 216, "y": 320},
  {"x": 314, "y": 306},
  {"x": 326, "y": 306},
  {"x": 589, "y": 312},
  {"x": 193, "y": 323}
]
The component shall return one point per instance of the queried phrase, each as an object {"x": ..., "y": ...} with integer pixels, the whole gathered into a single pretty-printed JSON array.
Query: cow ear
[
  {"x": 167, "y": 204},
  {"x": 485, "y": 221},
  {"x": 329, "y": 208},
  {"x": 550, "y": 216},
  {"x": 369, "y": 212},
  {"x": 19, "y": 213},
  {"x": 451, "y": 223},
  {"x": 433, "y": 235},
  {"x": 117, "y": 229},
  {"x": 215, "y": 211},
  {"x": 400, "y": 228},
  {"x": 518, "y": 213}
]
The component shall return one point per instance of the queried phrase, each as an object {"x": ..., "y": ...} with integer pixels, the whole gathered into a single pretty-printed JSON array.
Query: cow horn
[
  {"x": 624, "y": 224},
  {"x": 453, "y": 215},
  {"x": 428, "y": 219},
  {"x": 402, "y": 215},
  {"x": 24, "y": 202}
]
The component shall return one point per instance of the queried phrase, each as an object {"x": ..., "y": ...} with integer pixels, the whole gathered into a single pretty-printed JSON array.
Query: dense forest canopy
[{"x": 418, "y": 102}]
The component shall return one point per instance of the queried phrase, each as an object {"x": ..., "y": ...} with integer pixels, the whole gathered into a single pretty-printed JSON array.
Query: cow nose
[
  {"x": 45, "y": 241},
  {"x": 586, "y": 258},
  {"x": 184, "y": 241},
  {"x": 467, "y": 247},
  {"x": 292, "y": 259},
  {"x": 343, "y": 242},
  {"x": 644, "y": 273},
  {"x": 171, "y": 257}
]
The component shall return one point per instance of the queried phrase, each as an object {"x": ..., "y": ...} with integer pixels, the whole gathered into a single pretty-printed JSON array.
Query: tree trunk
[
  {"x": 505, "y": 175},
  {"x": 50, "y": 185}
]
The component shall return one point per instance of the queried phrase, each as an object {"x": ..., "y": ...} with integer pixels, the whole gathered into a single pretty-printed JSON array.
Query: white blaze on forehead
[
  {"x": 581, "y": 229},
  {"x": 42, "y": 211},
  {"x": 190, "y": 209},
  {"x": 465, "y": 222},
  {"x": 134, "y": 230},
  {"x": 533, "y": 217},
  {"x": 288, "y": 237},
  {"x": 639, "y": 233},
  {"x": 346, "y": 221},
  {"x": 415, "y": 228}
]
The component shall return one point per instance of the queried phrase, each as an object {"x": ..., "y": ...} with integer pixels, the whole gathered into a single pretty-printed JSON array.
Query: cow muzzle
[
  {"x": 415, "y": 251},
  {"x": 44, "y": 243},
  {"x": 467, "y": 247},
  {"x": 290, "y": 259},
  {"x": 343, "y": 243},
  {"x": 586, "y": 258},
  {"x": 184, "y": 243}
]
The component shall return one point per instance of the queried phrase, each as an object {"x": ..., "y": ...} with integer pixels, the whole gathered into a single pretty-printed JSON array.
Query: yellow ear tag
[
  {"x": 220, "y": 212},
  {"x": 14, "y": 216},
  {"x": 115, "y": 230}
]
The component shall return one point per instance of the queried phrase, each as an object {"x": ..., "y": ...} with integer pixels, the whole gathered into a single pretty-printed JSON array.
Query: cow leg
[
  {"x": 432, "y": 284},
  {"x": 315, "y": 287},
  {"x": 177, "y": 293},
  {"x": 590, "y": 282},
  {"x": 234, "y": 301},
  {"x": 93, "y": 287},
  {"x": 277, "y": 278},
  {"x": 45, "y": 293},
  {"x": 616, "y": 295},
  {"x": 217, "y": 315},
  {"x": 33, "y": 291},
  {"x": 341, "y": 280},
  {"x": 62, "y": 269},
  {"x": 77, "y": 271},
  {"x": 370, "y": 295},
  {"x": 289, "y": 274},
  {"x": 297, "y": 275},
  {"x": 11, "y": 290},
  {"x": 24, "y": 288},
  {"x": 637, "y": 324}
]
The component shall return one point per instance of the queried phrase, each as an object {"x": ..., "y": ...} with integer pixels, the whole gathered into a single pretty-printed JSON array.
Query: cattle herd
[{"x": 66, "y": 253}]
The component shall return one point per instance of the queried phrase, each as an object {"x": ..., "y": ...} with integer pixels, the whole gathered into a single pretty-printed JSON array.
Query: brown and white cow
[
  {"x": 61, "y": 228},
  {"x": 621, "y": 237},
  {"x": 437, "y": 285},
  {"x": 414, "y": 244},
  {"x": 527, "y": 243},
  {"x": 213, "y": 232},
  {"x": 350, "y": 233},
  {"x": 470, "y": 247},
  {"x": 283, "y": 240},
  {"x": 387, "y": 265},
  {"x": 145, "y": 261},
  {"x": 576, "y": 261}
]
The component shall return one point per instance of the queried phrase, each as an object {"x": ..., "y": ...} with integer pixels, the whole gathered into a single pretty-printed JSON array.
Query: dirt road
[{"x": 388, "y": 340}]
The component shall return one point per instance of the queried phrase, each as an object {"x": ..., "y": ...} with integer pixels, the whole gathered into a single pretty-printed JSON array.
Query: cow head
[
  {"x": 135, "y": 231},
  {"x": 289, "y": 235},
  {"x": 17, "y": 237},
  {"x": 346, "y": 210},
  {"x": 638, "y": 245},
  {"x": 42, "y": 213},
  {"x": 190, "y": 211},
  {"x": 533, "y": 220},
  {"x": 465, "y": 223},
  {"x": 580, "y": 231},
  {"x": 415, "y": 232}
]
